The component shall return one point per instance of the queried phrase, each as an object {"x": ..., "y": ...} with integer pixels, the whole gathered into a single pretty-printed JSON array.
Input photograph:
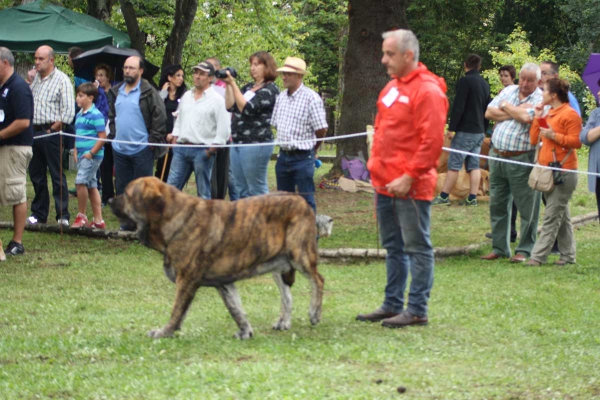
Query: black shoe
[
  {"x": 513, "y": 239},
  {"x": 376, "y": 316},
  {"x": 555, "y": 249},
  {"x": 488, "y": 235},
  {"x": 14, "y": 249}
]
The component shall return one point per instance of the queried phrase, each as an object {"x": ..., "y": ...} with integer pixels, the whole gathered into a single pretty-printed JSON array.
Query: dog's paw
[
  {"x": 160, "y": 333},
  {"x": 282, "y": 325},
  {"x": 243, "y": 335},
  {"x": 315, "y": 317}
]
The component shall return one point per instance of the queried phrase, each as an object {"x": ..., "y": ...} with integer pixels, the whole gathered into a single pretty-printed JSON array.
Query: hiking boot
[
  {"x": 440, "y": 201},
  {"x": 468, "y": 202},
  {"x": 97, "y": 225},
  {"x": 80, "y": 221},
  {"x": 15, "y": 249},
  {"x": 403, "y": 319},
  {"x": 376, "y": 316}
]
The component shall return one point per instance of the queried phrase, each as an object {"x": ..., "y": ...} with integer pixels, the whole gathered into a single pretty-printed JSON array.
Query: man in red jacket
[{"x": 409, "y": 133}]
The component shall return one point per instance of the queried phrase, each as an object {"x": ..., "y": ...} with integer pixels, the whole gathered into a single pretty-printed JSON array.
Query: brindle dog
[{"x": 215, "y": 243}]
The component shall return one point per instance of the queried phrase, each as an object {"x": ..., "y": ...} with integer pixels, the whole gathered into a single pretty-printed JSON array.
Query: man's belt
[
  {"x": 42, "y": 127},
  {"x": 511, "y": 153},
  {"x": 294, "y": 152}
]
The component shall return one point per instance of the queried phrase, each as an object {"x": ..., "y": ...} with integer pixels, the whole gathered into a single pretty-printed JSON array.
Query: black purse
[{"x": 558, "y": 176}]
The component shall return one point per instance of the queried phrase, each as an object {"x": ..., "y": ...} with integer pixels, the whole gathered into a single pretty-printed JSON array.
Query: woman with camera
[
  {"x": 559, "y": 134},
  {"x": 252, "y": 107},
  {"x": 172, "y": 89},
  {"x": 589, "y": 136}
]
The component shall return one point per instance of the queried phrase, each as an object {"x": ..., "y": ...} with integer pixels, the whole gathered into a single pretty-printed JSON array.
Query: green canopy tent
[{"x": 25, "y": 28}]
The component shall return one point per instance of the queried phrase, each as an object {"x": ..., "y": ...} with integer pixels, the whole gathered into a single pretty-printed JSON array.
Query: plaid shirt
[
  {"x": 511, "y": 135},
  {"x": 53, "y": 98},
  {"x": 297, "y": 117}
]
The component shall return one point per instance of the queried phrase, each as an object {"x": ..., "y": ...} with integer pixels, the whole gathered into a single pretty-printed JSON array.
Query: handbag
[{"x": 544, "y": 179}]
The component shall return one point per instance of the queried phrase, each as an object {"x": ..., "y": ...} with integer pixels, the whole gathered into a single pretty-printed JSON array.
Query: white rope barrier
[{"x": 296, "y": 142}]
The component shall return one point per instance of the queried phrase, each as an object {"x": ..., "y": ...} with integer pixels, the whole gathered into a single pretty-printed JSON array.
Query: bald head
[{"x": 44, "y": 60}]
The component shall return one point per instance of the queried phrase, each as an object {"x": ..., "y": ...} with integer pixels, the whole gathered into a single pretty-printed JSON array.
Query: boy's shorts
[
  {"x": 86, "y": 172},
  {"x": 14, "y": 161},
  {"x": 470, "y": 142}
]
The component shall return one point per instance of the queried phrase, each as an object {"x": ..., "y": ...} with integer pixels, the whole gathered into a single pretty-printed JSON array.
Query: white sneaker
[
  {"x": 64, "y": 222},
  {"x": 32, "y": 220}
]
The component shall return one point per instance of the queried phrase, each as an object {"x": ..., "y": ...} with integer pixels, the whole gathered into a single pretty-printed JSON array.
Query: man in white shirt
[{"x": 202, "y": 120}]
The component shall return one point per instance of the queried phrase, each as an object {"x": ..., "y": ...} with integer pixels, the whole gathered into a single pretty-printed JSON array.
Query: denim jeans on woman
[
  {"x": 249, "y": 168},
  {"x": 191, "y": 159},
  {"x": 404, "y": 227}
]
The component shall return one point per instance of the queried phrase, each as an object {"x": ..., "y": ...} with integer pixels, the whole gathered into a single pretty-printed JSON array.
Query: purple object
[{"x": 591, "y": 74}]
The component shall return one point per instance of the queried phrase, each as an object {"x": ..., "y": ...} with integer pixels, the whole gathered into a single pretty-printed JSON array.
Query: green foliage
[
  {"x": 518, "y": 51},
  {"x": 324, "y": 28}
]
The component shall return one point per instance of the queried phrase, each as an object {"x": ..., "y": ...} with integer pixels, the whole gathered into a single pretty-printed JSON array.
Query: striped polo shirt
[{"x": 87, "y": 126}]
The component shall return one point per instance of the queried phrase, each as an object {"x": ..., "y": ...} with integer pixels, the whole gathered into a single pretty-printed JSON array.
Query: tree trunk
[
  {"x": 185, "y": 11},
  {"x": 99, "y": 9},
  {"x": 363, "y": 75},
  {"x": 133, "y": 28}
]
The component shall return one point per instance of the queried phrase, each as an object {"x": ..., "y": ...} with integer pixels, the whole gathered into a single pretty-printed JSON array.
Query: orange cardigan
[{"x": 566, "y": 123}]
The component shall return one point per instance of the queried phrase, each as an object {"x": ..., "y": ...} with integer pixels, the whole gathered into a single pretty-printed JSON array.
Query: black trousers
[
  {"x": 220, "y": 174},
  {"x": 106, "y": 173},
  {"x": 598, "y": 194},
  {"x": 47, "y": 156}
]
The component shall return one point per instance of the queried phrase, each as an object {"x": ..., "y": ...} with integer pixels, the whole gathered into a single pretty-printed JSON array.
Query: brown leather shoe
[
  {"x": 562, "y": 263},
  {"x": 518, "y": 258},
  {"x": 403, "y": 319},
  {"x": 533, "y": 263},
  {"x": 491, "y": 256},
  {"x": 376, "y": 315}
]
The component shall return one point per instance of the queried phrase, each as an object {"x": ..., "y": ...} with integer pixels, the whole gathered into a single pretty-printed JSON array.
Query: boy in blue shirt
[{"x": 89, "y": 152}]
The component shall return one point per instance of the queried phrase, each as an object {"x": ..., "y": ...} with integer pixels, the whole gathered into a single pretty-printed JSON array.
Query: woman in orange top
[{"x": 560, "y": 138}]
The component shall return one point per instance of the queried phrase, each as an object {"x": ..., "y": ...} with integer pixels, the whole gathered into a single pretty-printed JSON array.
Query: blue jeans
[
  {"x": 404, "y": 227},
  {"x": 192, "y": 159},
  {"x": 249, "y": 167},
  {"x": 87, "y": 172},
  {"x": 297, "y": 169},
  {"x": 464, "y": 141},
  {"x": 129, "y": 168}
]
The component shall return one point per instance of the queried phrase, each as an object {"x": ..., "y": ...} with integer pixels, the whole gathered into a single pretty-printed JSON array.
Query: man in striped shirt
[
  {"x": 54, "y": 105},
  {"x": 513, "y": 111},
  {"x": 299, "y": 117}
]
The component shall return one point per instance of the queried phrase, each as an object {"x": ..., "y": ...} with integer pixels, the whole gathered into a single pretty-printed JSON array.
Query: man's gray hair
[
  {"x": 405, "y": 40},
  {"x": 7, "y": 55},
  {"x": 531, "y": 67}
]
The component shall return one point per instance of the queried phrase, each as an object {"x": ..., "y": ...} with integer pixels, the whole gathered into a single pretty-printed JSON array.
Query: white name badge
[
  {"x": 390, "y": 97},
  {"x": 403, "y": 99},
  {"x": 1, "y": 115},
  {"x": 249, "y": 95}
]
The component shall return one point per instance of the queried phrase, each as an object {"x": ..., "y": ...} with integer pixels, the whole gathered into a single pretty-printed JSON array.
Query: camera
[{"x": 222, "y": 73}]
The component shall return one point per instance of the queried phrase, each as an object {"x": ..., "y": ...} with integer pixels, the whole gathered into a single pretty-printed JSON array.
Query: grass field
[{"x": 74, "y": 313}]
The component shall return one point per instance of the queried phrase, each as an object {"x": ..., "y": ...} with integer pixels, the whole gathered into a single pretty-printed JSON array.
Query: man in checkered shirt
[
  {"x": 299, "y": 117},
  {"x": 54, "y": 106},
  {"x": 513, "y": 111}
]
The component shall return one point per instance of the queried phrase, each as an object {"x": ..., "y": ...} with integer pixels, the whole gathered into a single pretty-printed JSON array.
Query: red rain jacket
[{"x": 409, "y": 132}]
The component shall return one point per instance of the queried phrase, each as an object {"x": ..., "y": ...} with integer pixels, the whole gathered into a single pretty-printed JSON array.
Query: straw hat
[{"x": 294, "y": 65}]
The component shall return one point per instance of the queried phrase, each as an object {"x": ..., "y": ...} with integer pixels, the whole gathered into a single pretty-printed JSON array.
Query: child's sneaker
[
  {"x": 80, "y": 221},
  {"x": 15, "y": 249},
  {"x": 97, "y": 225}
]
